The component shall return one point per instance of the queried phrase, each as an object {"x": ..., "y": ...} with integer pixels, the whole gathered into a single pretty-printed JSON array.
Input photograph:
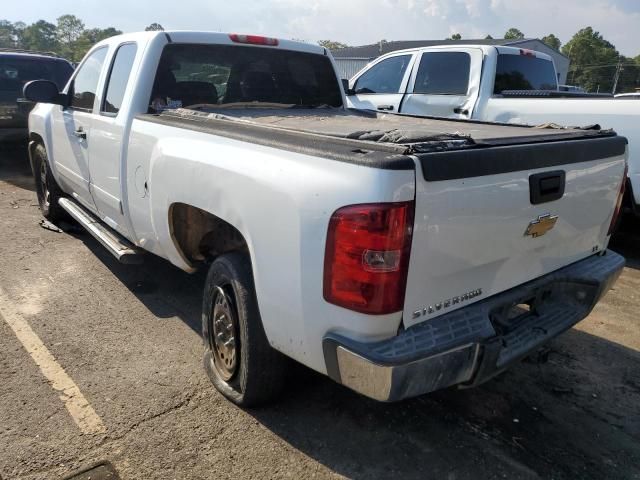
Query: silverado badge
[{"x": 541, "y": 225}]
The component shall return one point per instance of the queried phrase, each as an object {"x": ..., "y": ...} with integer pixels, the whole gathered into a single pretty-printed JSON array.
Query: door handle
[
  {"x": 461, "y": 111},
  {"x": 80, "y": 133},
  {"x": 385, "y": 107}
]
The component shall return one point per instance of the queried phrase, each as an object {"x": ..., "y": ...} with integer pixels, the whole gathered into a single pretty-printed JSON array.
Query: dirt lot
[{"x": 129, "y": 338}]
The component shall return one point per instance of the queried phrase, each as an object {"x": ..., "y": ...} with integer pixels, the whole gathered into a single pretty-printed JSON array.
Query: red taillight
[
  {"x": 527, "y": 53},
  {"x": 618, "y": 209},
  {"x": 367, "y": 257},
  {"x": 254, "y": 39}
]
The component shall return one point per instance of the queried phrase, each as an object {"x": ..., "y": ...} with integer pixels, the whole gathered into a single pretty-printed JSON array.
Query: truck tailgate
[{"x": 490, "y": 219}]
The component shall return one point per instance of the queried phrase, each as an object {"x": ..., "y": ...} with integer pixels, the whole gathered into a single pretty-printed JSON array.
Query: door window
[
  {"x": 118, "y": 78},
  {"x": 443, "y": 73},
  {"x": 384, "y": 77},
  {"x": 85, "y": 83}
]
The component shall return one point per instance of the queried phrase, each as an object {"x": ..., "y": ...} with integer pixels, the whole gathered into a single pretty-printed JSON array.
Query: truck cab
[{"x": 448, "y": 81}]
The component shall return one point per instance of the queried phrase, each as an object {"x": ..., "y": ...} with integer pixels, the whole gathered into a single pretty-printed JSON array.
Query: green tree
[
  {"x": 7, "y": 34},
  {"x": 332, "y": 45},
  {"x": 18, "y": 32},
  {"x": 552, "y": 41},
  {"x": 455, "y": 36},
  {"x": 41, "y": 36},
  {"x": 513, "y": 34},
  {"x": 90, "y": 37},
  {"x": 594, "y": 61},
  {"x": 154, "y": 27},
  {"x": 68, "y": 31}
]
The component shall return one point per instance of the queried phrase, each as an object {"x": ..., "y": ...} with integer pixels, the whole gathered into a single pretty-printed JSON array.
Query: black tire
[
  {"x": 47, "y": 189},
  {"x": 254, "y": 374}
]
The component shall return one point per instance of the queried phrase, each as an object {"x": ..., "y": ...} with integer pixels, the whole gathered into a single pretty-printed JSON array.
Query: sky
[{"x": 355, "y": 22}]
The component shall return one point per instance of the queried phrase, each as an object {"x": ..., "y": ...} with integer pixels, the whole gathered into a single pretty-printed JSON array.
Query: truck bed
[{"x": 366, "y": 138}]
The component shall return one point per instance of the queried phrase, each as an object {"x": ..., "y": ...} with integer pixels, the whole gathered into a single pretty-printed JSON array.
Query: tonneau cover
[
  {"x": 364, "y": 137},
  {"x": 369, "y": 125}
]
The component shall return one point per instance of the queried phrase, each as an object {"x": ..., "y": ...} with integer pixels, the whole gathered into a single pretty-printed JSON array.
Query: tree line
[
  {"x": 68, "y": 37},
  {"x": 595, "y": 63}
]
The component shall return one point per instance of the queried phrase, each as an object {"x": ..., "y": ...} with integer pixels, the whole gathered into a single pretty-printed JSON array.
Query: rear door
[
  {"x": 444, "y": 83},
  {"x": 382, "y": 86},
  {"x": 72, "y": 128},
  {"x": 108, "y": 130}
]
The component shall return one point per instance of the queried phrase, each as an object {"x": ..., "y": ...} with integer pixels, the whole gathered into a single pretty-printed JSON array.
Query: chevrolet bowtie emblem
[{"x": 541, "y": 225}]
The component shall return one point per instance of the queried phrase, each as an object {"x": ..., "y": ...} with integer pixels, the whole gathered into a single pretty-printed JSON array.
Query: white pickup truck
[
  {"x": 492, "y": 84},
  {"x": 396, "y": 255}
]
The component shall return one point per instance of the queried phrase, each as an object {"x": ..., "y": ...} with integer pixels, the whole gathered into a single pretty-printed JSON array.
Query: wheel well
[
  {"x": 36, "y": 139},
  {"x": 200, "y": 235}
]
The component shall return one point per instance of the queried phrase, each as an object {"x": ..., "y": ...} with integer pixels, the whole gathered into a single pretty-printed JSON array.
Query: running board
[{"x": 117, "y": 245}]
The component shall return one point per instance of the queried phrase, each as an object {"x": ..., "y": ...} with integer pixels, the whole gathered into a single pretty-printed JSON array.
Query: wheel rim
[
  {"x": 44, "y": 187},
  {"x": 224, "y": 335}
]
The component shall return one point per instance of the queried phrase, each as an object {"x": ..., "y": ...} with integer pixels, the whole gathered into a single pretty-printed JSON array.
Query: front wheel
[
  {"x": 238, "y": 358},
  {"x": 47, "y": 188}
]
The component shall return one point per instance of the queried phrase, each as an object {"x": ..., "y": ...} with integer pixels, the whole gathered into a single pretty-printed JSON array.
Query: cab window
[
  {"x": 219, "y": 76},
  {"x": 524, "y": 72},
  {"x": 384, "y": 77},
  {"x": 83, "y": 88},
  {"x": 119, "y": 78},
  {"x": 443, "y": 73}
]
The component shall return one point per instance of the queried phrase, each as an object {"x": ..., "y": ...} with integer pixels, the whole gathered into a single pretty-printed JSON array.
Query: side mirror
[
  {"x": 345, "y": 85},
  {"x": 44, "y": 91}
]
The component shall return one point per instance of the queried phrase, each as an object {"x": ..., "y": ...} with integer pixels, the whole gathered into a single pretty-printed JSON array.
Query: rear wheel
[
  {"x": 47, "y": 188},
  {"x": 238, "y": 358}
]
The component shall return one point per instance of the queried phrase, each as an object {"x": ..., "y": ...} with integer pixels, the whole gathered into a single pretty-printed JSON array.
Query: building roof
[{"x": 376, "y": 49}]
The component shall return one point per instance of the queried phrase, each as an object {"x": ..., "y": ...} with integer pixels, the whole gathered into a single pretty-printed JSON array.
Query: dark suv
[{"x": 17, "y": 67}]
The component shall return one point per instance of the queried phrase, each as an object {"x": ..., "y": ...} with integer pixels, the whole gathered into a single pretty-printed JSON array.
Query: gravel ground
[{"x": 129, "y": 338}]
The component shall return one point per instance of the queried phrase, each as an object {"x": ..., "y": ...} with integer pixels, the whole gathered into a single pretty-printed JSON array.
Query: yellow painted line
[{"x": 81, "y": 411}]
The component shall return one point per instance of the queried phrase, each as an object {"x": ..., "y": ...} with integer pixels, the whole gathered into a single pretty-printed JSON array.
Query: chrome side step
[{"x": 117, "y": 245}]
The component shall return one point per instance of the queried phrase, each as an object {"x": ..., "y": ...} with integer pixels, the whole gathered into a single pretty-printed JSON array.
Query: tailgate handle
[{"x": 546, "y": 187}]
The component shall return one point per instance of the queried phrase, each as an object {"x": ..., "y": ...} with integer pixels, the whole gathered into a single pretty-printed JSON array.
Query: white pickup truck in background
[
  {"x": 397, "y": 255},
  {"x": 492, "y": 84}
]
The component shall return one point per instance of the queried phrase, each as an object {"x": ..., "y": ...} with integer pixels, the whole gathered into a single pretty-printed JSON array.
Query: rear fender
[{"x": 280, "y": 202}]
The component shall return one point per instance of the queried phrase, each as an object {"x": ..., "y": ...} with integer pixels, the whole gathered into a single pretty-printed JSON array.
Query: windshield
[
  {"x": 524, "y": 72},
  {"x": 228, "y": 75},
  {"x": 15, "y": 71}
]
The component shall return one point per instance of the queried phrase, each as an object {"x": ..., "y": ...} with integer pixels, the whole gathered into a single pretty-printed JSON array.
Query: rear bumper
[{"x": 472, "y": 344}]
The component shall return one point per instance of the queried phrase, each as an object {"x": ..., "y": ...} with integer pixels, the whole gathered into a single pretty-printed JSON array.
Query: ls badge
[{"x": 541, "y": 225}]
